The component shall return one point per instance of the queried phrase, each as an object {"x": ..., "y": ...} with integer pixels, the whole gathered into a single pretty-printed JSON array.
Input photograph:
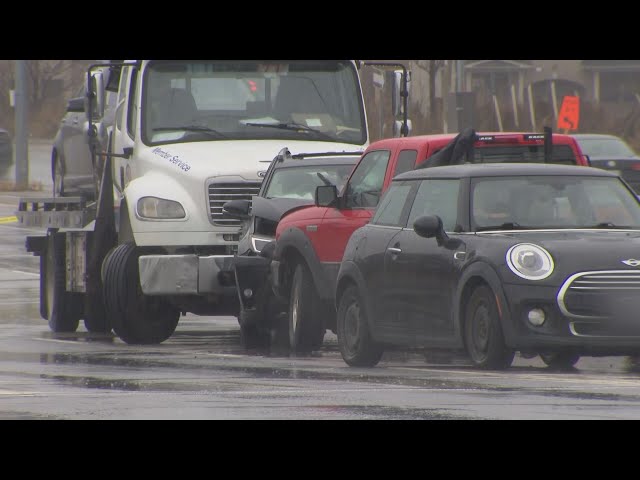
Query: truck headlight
[
  {"x": 530, "y": 261},
  {"x": 159, "y": 208},
  {"x": 259, "y": 242}
]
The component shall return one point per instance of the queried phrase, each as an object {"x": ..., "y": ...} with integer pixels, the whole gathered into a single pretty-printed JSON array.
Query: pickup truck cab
[{"x": 310, "y": 242}]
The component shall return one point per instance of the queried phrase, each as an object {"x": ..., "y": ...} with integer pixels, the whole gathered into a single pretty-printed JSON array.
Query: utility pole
[{"x": 21, "y": 126}]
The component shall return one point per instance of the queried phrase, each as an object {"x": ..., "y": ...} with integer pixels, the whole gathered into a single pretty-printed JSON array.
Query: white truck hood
[{"x": 221, "y": 158}]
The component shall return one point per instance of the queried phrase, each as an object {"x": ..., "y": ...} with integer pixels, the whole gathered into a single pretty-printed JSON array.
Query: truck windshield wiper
[
  {"x": 290, "y": 126},
  {"x": 192, "y": 128},
  {"x": 504, "y": 226}
]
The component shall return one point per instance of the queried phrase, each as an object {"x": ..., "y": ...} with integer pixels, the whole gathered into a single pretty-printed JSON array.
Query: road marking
[
  {"x": 12, "y": 219},
  {"x": 26, "y": 273}
]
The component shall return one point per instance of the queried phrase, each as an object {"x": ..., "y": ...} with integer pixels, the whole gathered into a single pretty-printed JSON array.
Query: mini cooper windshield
[{"x": 551, "y": 202}]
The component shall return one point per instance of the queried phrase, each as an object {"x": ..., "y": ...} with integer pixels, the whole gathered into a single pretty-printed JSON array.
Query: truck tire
[
  {"x": 95, "y": 317},
  {"x": 63, "y": 309},
  {"x": 306, "y": 326},
  {"x": 57, "y": 175},
  {"x": 136, "y": 318}
]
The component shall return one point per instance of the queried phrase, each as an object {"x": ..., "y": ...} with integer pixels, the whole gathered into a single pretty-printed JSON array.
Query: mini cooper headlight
[
  {"x": 530, "y": 261},
  {"x": 159, "y": 208}
]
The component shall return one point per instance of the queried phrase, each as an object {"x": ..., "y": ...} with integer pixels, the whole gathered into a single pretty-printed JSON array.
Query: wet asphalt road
[{"x": 202, "y": 372}]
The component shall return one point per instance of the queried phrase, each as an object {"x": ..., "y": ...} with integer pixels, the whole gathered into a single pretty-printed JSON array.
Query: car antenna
[{"x": 548, "y": 144}]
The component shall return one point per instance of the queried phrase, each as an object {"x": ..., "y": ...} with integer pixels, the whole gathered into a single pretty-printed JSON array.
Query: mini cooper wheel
[
  {"x": 560, "y": 360},
  {"x": 354, "y": 339},
  {"x": 482, "y": 332}
]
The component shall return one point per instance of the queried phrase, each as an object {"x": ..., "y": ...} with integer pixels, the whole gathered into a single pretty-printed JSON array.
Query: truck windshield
[{"x": 182, "y": 100}]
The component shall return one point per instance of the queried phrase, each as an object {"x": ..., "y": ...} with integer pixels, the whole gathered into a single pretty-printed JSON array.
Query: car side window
[
  {"x": 365, "y": 185},
  {"x": 406, "y": 161},
  {"x": 392, "y": 208},
  {"x": 437, "y": 197}
]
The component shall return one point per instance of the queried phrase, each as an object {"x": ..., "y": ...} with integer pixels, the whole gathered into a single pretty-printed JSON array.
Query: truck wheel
[
  {"x": 483, "y": 333},
  {"x": 252, "y": 336},
  {"x": 306, "y": 329},
  {"x": 354, "y": 339},
  {"x": 136, "y": 318},
  {"x": 57, "y": 176},
  {"x": 62, "y": 309},
  {"x": 95, "y": 317}
]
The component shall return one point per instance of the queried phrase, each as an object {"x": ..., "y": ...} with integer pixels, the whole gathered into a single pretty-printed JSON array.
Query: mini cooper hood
[
  {"x": 244, "y": 158},
  {"x": 585, "y": 249}
]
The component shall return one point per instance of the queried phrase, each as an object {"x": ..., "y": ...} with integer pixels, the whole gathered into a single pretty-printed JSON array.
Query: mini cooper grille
[
  {"x": 220, "y": 193},
  {"x": 603, "y": 294}
]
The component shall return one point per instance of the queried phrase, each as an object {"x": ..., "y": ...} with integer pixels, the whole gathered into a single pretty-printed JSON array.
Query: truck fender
[
  {"x": 294, "y": 239},
  {"x": 482, "y": 272}
]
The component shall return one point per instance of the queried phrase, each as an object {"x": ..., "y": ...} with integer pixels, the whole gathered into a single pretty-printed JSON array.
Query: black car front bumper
[{"x": 594, "y": 336}]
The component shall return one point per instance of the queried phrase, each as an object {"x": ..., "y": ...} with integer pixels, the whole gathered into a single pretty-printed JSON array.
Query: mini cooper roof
[{"x": 502, "y": 170}]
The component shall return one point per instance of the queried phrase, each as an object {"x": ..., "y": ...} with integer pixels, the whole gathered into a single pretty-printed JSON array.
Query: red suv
[{"x": 310, "y": 242}]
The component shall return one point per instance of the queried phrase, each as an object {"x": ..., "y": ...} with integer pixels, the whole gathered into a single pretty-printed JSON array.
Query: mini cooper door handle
[{"x": 394, "y": 250}]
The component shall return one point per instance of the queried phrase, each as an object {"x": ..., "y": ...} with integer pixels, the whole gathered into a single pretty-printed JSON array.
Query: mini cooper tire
[
  {"x": 354, "y": 338},
  {"x": 483, "y": 335}
]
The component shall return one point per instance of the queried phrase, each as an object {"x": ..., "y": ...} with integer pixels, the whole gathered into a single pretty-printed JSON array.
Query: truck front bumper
[{"x": 187, "y": 275}]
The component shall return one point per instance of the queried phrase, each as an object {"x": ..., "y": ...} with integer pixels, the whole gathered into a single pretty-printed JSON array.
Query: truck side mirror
[
  {"x": 75, "y": 105},
  {"x": 96, "y": 92},
  {"x": 398, "y": 128},
  {"x": 326, "y": 195},
  {"x": 398, "y": 92},
  {"x": 237, "y": 209}
]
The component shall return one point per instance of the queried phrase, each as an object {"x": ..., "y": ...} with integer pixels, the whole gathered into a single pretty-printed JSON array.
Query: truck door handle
[{"x": 394, "y": 250}]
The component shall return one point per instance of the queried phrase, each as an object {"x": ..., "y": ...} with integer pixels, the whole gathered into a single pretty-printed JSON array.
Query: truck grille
[
  {"x": 220, "y": 193},
  {"x": 607, "y": 302}
]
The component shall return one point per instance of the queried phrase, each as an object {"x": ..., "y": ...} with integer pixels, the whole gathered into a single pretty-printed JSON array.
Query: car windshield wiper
[
  {"x": 192, "y": 128},
  {"x": 299, "y": 127},
  {"x": 504, "y": 226},
  {"x": 325, "y": 180}
]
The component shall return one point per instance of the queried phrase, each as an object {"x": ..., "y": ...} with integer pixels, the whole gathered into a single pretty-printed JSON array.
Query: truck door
[
  {"x": 125, "y": 124},
  {"x": 360, "y": 198}
]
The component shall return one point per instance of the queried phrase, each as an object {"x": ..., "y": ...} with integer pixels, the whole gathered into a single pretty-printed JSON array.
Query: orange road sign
[{"x": 569, "y": 113}]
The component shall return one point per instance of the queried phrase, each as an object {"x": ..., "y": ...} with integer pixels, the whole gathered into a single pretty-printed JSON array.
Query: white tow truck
[{"x": 188, "y": 136}]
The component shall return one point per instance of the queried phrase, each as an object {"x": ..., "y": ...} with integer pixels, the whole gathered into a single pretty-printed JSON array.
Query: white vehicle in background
[{"x": 188, "y": 136}]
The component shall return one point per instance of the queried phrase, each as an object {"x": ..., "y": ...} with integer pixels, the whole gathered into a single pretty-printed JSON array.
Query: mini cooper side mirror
[
  {"x": 237, "y": 209},
  {"x": 326, "y": 195},
  {"x": 429, "y": 226}
]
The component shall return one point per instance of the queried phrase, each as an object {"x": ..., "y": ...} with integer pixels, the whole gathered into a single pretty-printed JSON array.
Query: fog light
[
  {"x": 536, "y": 316},
  {"x": 248, "y": 293}
]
